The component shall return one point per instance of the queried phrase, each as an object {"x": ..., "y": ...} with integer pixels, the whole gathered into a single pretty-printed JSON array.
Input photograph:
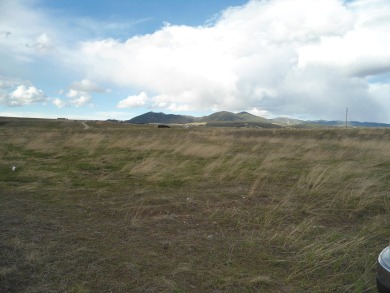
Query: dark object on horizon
[
  {"x": 163, "y": 126},
  {"x": 383, "y": 276}
]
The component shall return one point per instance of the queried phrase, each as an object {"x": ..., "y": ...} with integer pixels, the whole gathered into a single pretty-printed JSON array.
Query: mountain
[
  {"x": 350, "y": 123},
  {"x": 252, "y": 118},
  {"x": 223, "y": 118},
  {"x": 367, "y": 124},
  {"x": 152, "y": 117},
  {"x": 243, "y": 119}
]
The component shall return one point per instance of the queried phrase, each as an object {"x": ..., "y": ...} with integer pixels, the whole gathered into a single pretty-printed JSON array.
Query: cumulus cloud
[
  {"x": 134, "y": 101},
  {"x": 16, "y": 93},
  {"x": 302, "y": 58},
  {"x": 79, "y": 93},
  {"x": 298, "y": 57},
  {"x": 58, "y": 103},
  {"x": 81, "y": 100},
  {"x": 87, "y": 86}
]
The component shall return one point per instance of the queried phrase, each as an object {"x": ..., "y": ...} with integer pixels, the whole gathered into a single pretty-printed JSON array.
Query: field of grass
[{"x": 130, "y": 208}]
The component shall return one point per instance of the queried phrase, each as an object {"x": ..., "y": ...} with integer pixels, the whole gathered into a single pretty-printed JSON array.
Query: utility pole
[{"x": 346, "y": 117}]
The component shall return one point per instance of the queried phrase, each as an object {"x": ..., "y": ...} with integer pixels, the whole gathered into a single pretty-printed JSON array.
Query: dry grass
[{"x": 121, "y": 208}]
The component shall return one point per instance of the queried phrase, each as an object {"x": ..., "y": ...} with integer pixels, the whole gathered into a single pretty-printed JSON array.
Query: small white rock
[{"x": 13, "y": 168}]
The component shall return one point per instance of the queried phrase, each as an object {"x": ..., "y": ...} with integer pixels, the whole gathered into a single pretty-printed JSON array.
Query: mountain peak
[{"x": 153, "y": 117}]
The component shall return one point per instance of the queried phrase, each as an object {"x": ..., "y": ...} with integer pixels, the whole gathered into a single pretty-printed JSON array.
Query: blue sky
[
  {"x": 120, "y": 58},
  {"x": 141, "y": 17}
]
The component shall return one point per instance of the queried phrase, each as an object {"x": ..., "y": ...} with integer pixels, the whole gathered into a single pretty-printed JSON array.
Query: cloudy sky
[{"x": 101, "y": 59}]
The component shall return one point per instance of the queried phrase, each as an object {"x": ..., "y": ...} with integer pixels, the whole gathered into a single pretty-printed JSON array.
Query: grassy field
[{"x": 127, "y": 208}]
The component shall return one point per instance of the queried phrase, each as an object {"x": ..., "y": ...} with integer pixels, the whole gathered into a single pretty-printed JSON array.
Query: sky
[{"x": 117, "y": 59}]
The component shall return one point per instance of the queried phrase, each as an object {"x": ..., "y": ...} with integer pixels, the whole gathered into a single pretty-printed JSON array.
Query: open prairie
[{"x": 131, "y": 208}]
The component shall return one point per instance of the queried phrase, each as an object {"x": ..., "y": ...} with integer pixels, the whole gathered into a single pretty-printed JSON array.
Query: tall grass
[{"x": 125, "y": 208}]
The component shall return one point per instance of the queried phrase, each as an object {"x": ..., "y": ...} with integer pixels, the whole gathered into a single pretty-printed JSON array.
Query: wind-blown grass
[{"x": 123, "y": 208}]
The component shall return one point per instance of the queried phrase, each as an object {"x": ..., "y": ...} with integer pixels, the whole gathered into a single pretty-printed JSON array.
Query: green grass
[{"x": 122, "y": 208}]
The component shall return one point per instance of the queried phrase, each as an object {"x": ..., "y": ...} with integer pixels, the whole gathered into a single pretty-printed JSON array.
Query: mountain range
[{"x": 242, "y": 119}]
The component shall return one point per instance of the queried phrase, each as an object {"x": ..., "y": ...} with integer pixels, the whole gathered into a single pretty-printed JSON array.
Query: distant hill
[
  {"x": 367, "y": 124},
  {"x": 350, "y": 123},
  {"x": 222, "y": 118},
  {"x": 243, "y": 119},
  {"x": 225, "y": 116},
  {"x": 252, "y": 118},
  {"x": 152, "y": 117}
]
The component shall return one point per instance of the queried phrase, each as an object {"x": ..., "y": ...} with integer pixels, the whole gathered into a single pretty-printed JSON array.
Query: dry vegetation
[{"x": 121, "y": 208}]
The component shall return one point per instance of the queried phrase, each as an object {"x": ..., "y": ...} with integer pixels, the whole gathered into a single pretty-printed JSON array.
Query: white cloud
[
  {"x": 260, "y": 112},
  {"x": 86, "y": 85},
  {"x": 23, "y": 96},
  {"x": 26, "y": 96},
  {"x": 81, "y": 100},
  {"x": 278, "y": 56},
  {"x": 16, "y": 93},
  {"x": 80, "y": 93},
  {"x": 134, "y": 101},
  {"x": 381, "y": 93},
  {"x": 58, "y": 103}
]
